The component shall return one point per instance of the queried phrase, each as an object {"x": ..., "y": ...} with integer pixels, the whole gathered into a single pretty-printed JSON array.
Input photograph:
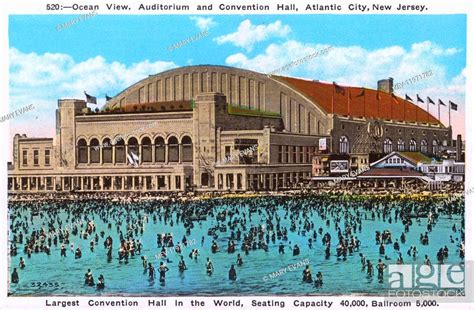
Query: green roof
[{"x": 417, "y": 157}]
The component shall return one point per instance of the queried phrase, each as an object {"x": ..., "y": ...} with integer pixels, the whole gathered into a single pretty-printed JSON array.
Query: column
[
  {"x": 101, "y": 183},
  {"x": 236, "y": 180},
  {"x": 113, "y": 154},
  {"x": 82, "y": 183},
  {"x": 133, "y": 182},
  {"x": 122, "y": 185},
  {"x": 183, "y": 180},
  {"x": 272, "y": 180},
  {"x": 180, "y": 150},
  {"x": 284, "y": 179},
  {"x": 112, "y": 182},
  {"x": 153, "y": 151},
  {"x": 101, "y": 160},
  {"x": 156, "y": 179},
  {"x": 166, "y": 153},
  {"x": 244, "y": 181}
]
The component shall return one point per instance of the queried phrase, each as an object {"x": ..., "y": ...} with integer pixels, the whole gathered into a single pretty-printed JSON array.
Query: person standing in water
[
  {"x": 163, "y": 269},
  {"x": 15, "y": 278},
  {"x": 209, "y": 266},
  {"x": 182, "y": 265},
  {"x": 101, "y": 283},
  {"x": 232, "y": 273},
  {"x": 151, "y": 271}
]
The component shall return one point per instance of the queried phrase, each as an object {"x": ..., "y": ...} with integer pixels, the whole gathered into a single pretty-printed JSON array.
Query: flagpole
[
  {"x": 439, "y": 112},
  {"x": 364, "y": 105},
  {"x": 449, "y": 108},
  {"x": 428, "y": 110}
]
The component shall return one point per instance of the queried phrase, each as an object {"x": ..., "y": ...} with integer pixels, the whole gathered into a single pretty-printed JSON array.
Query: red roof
[{"x": 349, "y": 101}]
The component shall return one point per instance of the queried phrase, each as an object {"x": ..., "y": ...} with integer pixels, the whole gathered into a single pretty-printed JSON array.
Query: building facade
[{"x": 217, "y": 128}]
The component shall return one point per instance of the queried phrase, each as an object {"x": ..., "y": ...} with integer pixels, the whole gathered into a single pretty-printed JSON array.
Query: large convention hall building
[{"x": 219, "y": 128}]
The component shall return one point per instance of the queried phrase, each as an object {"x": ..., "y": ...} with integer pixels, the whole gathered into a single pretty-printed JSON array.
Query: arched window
[
  {"x": 82, "y": 151},
  {"x": 173, "y": 150},
  {"x": 435, "y": 147},
  {"x": 146, "y": 150},
  {"x": 401, "y": 145},
  {"x": 133, "y": 146},
  {"x": 187, "y": 144},
  {"x": 412, "y": 145},
  {"x": 106, "y": 151},
  {"x": 387, "y": 145},
  {"x": 424, "y": 146},
  {"x": 95, "y": 151},
  {"x": 120, "y": 151},
  {"x": 344, "y": 145},
  {"x": 159, "y": 150}
]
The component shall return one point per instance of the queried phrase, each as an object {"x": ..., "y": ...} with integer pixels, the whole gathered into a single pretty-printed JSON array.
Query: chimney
[
  {"x": 385, "y": 85},
  {"x": 458, "y": 148}
]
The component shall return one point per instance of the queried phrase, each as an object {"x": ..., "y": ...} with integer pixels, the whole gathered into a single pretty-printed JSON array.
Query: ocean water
[{"x": 54, "y": 275}]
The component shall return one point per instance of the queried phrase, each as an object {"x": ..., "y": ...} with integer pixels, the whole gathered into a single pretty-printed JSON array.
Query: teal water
[{"x": 65, "y": 275}]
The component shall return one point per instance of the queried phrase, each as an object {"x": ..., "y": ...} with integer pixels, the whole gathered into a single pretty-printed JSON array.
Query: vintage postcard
[{"x": 236, "y": 155}]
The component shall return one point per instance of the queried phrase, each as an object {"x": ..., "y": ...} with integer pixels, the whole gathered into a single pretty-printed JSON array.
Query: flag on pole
[
  {"x": 90, "y": 99},
  {"x": 441, "y": 102},
  {"x": 408, "y": 98},
  {"x": 418, "y": 99},
  {"x": 430, "y": 101},
  {"x": 107, "y": 98},
  {"x": 453, "y": 106}
]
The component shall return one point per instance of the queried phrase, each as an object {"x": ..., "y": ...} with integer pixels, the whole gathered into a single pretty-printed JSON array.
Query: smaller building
[{"x": 395, "y": 170}]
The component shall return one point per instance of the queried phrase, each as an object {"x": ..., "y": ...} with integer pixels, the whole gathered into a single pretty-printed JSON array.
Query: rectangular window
[
  {"x": 25, "y": 158},
  {"x": 227, "y": 153},
  {"x": 36, "y": 157},
  {"x": 280, "y": 153},
  {"x": 47, "y": 157}
]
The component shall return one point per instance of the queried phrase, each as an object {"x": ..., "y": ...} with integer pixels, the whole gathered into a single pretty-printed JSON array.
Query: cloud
[
  {"x": 203, "y": 23},
  {"x": 247, "y": 35},
  {"x": 43, "y": 79},
  {"x": 358, "y": 66}
]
